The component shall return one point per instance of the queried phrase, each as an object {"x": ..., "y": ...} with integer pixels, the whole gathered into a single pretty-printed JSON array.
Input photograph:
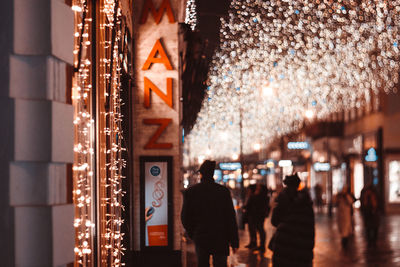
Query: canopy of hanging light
[{"x": 281, "y": 61}]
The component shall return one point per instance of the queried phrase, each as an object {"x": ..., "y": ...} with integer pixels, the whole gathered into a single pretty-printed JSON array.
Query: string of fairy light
[
  {"x": 281, "y": 61},
  {"x": 114, "y": 221},
  {"x": 113, "y": 200},
  {"x": 110, "y": 215},
  {"x": 83, "y": 168},
  {"x": 191, "y": 14}
]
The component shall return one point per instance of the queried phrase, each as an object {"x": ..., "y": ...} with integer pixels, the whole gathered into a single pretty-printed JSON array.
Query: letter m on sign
[{"x": 157, "y": 13}]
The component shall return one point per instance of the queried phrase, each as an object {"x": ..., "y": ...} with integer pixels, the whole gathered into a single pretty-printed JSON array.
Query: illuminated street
[
  {"x": 148, "y": 133},
  {"x": 328, "y": 253}
]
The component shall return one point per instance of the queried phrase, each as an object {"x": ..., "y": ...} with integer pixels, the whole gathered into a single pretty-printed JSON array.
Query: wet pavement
[{"x": 328, "y": 251}]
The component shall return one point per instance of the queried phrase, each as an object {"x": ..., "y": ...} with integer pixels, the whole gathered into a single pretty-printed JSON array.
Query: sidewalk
[{"x": 328, "y": 251}]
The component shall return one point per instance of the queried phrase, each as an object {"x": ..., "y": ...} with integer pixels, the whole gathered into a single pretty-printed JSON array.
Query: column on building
[{"x": 37, "y": 116}]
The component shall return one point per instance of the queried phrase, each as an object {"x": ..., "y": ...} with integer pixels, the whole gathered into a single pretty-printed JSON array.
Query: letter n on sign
[{"x": 149, "y": 86}]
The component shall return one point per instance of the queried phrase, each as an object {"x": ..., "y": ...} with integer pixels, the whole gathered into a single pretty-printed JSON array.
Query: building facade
[
  {"x": 82, "y": 114},
  {"x": 37, "y": 142},
  {"x": 354, "y": 148}
]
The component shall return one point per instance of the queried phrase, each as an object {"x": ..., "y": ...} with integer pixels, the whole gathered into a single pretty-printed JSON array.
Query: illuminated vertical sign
[
  {"x": 157, "y": 61},
  {"x": 156, "y": 122}
]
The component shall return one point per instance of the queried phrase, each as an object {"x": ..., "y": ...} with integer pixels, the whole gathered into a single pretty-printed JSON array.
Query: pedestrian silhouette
[
  {"x": 293, "y": 216},
  {"x": 344, "y": 202},
  {"x": 257, "y": 209},
  {"x": 318, "y": 197},
  {"x": 252, "y": 231},
  {"x": 370, "y": 212},
  {"x": 209, "y": 218}
]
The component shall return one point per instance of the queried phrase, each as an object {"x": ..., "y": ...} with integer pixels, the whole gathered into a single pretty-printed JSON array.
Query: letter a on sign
[
  {"x": 157, "y": 13},
  {"x": 148, "y": 85},
  {"x": 157, "y": 49},
  {"x": 151, "y": 144}
]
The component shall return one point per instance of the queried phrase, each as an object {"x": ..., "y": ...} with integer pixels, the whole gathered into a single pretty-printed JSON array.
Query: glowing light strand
[
  {"x": 279, "y": 59},
  {"x": 111, "y": 202},
  {"x": 191, "y": 14},
  {"x": 83, "y": 166}
]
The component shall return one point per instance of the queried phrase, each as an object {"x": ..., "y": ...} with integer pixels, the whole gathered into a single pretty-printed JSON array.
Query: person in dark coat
[
  {"x": 257, "y": 209},
  {"x": 209, "y": 218},
  {"x": 318, "y": 197},
  {"x": 252, "y": 231},
  {"x": 293, "y": 217},
  {"x": 370, "y": 213}
]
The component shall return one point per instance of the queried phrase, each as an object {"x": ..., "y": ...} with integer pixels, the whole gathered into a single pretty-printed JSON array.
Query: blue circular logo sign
[{"x": 155, "y": 170}]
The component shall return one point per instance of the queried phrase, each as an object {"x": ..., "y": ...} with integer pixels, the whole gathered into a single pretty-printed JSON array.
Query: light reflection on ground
[{"x": 328, "y": 251}]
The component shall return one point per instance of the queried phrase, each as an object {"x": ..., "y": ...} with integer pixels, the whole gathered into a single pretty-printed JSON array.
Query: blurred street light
[
  {"x": 235, "y": 156},
  {"x": 200, "y": 159},
  {"x": 309, "y": 114},
  {"x": 267, "y": 91}
]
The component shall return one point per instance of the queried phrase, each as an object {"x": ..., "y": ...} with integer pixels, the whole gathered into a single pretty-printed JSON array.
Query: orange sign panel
[{"x": 157, "y": 235}]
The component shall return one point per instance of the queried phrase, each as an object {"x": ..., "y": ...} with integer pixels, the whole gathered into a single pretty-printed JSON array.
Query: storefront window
[
  {"x": 271, "y": 181},
  {"x": 394, "y": 181},
  {"x": 358, "y": 181},
  {"x": 338, "y": 180}
]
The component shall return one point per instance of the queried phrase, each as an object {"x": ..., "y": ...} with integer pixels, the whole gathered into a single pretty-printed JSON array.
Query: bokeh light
[{"x": 278, "y": 59}]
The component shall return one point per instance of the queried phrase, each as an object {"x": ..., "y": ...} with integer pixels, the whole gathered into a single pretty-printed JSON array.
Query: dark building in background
[{"x": 197, "y": 52}]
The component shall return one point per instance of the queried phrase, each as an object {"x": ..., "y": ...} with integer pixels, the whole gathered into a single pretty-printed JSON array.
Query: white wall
[{"x": 37, "y": 220}]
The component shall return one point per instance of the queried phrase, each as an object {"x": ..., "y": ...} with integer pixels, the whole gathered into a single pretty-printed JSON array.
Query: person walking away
[
  {"x": 318, "y": 197},
  {"x": 344, "y": 202},
  {"x": 370, "y": 213},
  {"x": 250, "y": 223},
  {"x": 209, "y": 218},
  {"x": 258, "y": 209},
  {"x": 293, "y": 216},
  {"x": 352, "y": 210}
]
